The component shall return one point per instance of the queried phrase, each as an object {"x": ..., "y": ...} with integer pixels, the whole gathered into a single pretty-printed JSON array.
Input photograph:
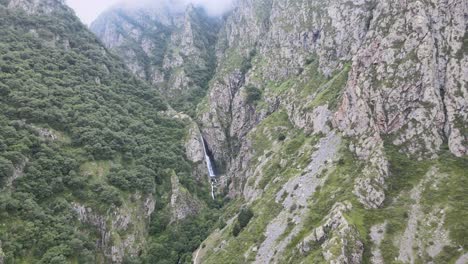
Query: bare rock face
[
  {"x": 194, "y": 146},
  {"x": 425, "y": 232},
  {"x": 17, "y": 172},
  {"x": 195, "y": 152},
  {"x": 335, "y": 233},
  {"x": 400, "y": 86},
  {"x": 377, "y": 233},
  {"x": 36, "y": 6},
  {"x": 171, "y": 48},
  {"x": 273, "y": 41},
  {"x": 122, "y": 230},
  {"x": 407, "y": 79},
  {"x": 294, "y": 197},
  {"x": 183, "y": 204}
]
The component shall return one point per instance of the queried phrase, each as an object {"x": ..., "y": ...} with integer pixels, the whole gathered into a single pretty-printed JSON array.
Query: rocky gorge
[
  {"x": 388, "y": 77},
  {"x": 340, "y": 127}
]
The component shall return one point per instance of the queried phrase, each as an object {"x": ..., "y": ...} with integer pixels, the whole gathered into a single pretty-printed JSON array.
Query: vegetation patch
[
  {"x": 252, "y": 94},
  {"x": 113, "y": 141},
  {"x": 243, "y": 220}
]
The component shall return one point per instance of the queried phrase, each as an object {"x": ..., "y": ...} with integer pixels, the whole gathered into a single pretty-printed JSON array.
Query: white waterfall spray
[{"x": 210, "y": 168}]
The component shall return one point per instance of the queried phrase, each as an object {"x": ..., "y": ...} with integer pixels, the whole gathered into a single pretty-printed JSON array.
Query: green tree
[{"x": 253, "y": 94}]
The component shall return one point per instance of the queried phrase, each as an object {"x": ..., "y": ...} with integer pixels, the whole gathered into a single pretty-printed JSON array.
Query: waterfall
[
  {"x": 208, "y": 161},
  {"x": 209, "y": 165},
  {"x": 212, "y": 190}
]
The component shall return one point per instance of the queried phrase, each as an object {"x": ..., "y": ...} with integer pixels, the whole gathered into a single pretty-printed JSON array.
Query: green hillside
[{"x": 76, "y": 127}]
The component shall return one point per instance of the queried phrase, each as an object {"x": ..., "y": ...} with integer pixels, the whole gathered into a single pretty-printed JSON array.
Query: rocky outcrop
[
  {"x": 337, "y": 238},
  {"x": 280, "y": 41},
  {"x": 196, "y": 153},
  {"x": 17, "y": 172},
  {"x": 462, "y": 259},
  {"x": 183, "y": 204},
  {"x": 170, "y": 47},
  {"x": 425, "y": 233},
  {"x": 36, "y": 6},
  {"x": 400, "y": 86},
  {"x": 377, "y": 233},
  {"x": 387, "y": 54},
  {"x": 46, "y": 134},
  {"x": 294, "y": 197},
  {"x": 122, "y": 231}
]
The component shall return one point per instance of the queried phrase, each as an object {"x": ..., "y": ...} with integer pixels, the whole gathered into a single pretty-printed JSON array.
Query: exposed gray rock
[
  {"x": 462, "y": 259},
  {"x": 370, "y": 185},
  {"x": 438, "y": 237},
  {"x": 149, "y": 205},
  {"x": 122, "y": 230},
  {"x": 336, "y": 232},
  {"x": 36, "y": 6},
  {"x": 88, "y": 216},
  {"x": 407, "y": 86},
  {"x": 401, "y": 83},
  {"x": 169, "y": 47},
  {"x": 299, "y": 190},
  {"x": 17, "y": 172},
  {"x": 377, "y": 233},
  {"x": 46, "y": 134},
  {"x": 316, "y": 121},
  {"x": 183, "y": 204},
  {"x": 195, "y": 151},
  {"x": 424, "y": 233}
]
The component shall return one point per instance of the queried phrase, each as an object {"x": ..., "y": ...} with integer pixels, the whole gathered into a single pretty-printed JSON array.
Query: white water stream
[{"x": 209, "y": 165}]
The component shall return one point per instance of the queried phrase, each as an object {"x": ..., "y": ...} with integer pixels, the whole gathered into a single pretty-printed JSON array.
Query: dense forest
[{"x": 65, "y": 103}]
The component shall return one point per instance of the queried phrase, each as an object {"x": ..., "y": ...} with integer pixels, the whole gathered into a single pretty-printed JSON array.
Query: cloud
[
  {"x": 89, "y": 10},
  {"x": 214, "y": 7}
]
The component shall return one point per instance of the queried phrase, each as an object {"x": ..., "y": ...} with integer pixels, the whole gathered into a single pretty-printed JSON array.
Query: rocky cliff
[
  {"x": 331, "y": 120},
  {"x": 388, "y": 76},
  {"x": 338, "y": 130},
  {"x": 171, "y": 48}
]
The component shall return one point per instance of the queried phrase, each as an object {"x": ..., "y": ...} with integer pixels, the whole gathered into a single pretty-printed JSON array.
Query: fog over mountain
[
  {"x": 87, "y": 15},
  {"x": 282, "y": 131}
]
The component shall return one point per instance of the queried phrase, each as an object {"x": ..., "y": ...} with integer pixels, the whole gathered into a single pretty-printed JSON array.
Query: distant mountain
[{"x": 170, "y": 48}]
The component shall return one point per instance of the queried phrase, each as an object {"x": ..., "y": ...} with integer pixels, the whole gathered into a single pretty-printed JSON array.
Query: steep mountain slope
[
  {"x": 170, "y": 48},
  {"x": 341, "y": 126},
  {"x": 92, "y": 161},
  {"x": 336, "y": 119}
]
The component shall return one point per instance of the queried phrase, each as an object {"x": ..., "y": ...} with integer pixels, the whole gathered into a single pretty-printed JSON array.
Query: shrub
[
  {"x": 281, "y": 137},
  {"x": 253, "y": 94},
  {"x": 236, "y": 229},
  {"x": 244, "y": 217}
]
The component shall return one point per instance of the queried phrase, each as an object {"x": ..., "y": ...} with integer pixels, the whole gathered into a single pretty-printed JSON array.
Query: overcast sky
[{"x": 88, "y": 10}]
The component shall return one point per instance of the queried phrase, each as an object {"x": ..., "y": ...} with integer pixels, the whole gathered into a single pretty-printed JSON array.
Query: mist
[
  {"x": 89, "y": 10},
  {"x": 212, "y": 7}
]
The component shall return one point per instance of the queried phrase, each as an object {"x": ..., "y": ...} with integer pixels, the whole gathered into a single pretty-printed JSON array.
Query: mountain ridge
[
  {"x": 338, "y": 131},
  {"x": 388, "y": 78}
]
